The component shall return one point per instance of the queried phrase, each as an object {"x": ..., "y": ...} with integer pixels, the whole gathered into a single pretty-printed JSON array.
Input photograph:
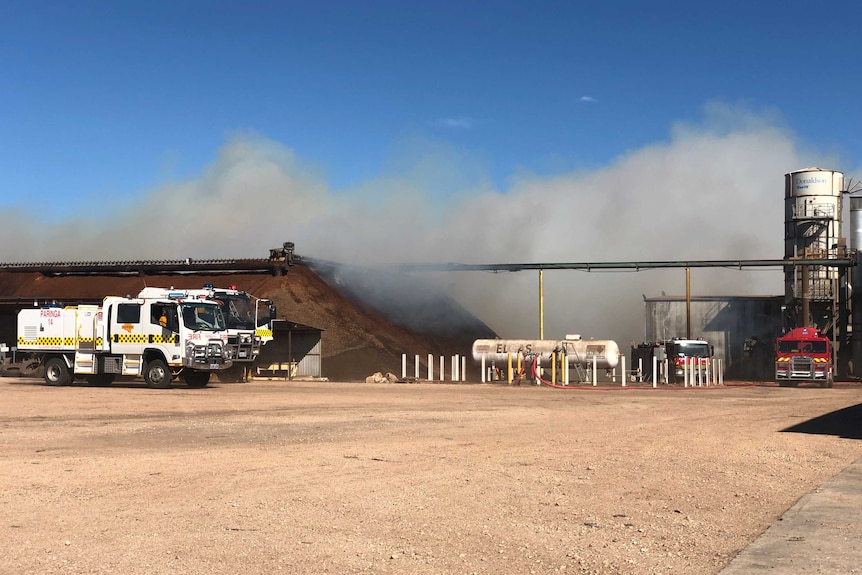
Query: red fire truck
[{"x": 803, "y": 355}]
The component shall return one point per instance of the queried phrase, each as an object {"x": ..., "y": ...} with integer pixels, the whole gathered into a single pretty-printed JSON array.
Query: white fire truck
[
  {"x": 154, "y": 338},
  {"x": 248, "y": 320}
]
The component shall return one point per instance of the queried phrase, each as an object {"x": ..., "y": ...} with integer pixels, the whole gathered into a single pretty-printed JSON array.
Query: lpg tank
[
  {"x": 578, "y": 351},
  {"x": 812, "y": 228}
]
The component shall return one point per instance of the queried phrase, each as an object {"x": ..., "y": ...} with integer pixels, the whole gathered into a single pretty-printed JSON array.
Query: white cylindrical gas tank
[{"x": 577, "y": 351}]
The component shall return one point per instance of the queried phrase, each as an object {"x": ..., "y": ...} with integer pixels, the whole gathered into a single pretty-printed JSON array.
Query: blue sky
[
  {"x": 116, "y": 97},
  {"x": 387, "y": 131}
]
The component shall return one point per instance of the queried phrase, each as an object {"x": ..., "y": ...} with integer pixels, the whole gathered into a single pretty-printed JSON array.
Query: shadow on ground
[{"x": 845, "y": 423}]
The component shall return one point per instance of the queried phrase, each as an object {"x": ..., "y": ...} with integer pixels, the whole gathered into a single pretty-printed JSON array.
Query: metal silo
[{"x": 812, "y": 230}]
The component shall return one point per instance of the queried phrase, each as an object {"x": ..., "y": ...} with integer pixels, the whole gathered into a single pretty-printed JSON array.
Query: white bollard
[
  {"x": 538, "y": 369},
  {"x": 403, "y": 366},
  {"x": 595, "y": 371},
  {"x": 442, "y": 367},
  {"x": 623, "y": 369},
  {"x": 483, "y": 368},
  {"x": 463, "y": 368},
  {"x": 565, "y": 375},
  {"x": 416, "y": 366},
  {"x": 654, "y": 371},
  {"x": 430, "y": 367}
]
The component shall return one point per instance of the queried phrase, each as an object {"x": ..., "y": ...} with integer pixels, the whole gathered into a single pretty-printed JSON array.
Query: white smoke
[{"x": 712, "y": 190}]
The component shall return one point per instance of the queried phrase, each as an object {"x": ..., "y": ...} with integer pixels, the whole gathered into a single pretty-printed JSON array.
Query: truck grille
[{"x": 802, "y": 367}]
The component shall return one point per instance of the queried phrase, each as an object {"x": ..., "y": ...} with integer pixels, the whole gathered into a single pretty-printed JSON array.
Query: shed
[{"x": 293, "y": 353}]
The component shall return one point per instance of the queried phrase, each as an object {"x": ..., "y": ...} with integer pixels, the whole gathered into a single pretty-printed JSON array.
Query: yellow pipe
[
  {"x": 554, "y": 367},
  {"x": 509, "y": 376}
]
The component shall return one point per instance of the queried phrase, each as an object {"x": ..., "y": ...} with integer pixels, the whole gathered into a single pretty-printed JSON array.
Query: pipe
[{"x": 541, "y": 303}]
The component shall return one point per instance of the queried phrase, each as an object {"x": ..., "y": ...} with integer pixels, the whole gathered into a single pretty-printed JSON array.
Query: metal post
[
  {"x": 595, "y": 375},
  {"x": 290, "y": 354},
  {"x": 430, "y": 367},
  {"x": 403, "y": 366},
  {"x": 541, "y": 303},
  {"x": 416, "y": 366},
  {"x": 483, "y": 368},
  {"x": 688, "y": 303}
]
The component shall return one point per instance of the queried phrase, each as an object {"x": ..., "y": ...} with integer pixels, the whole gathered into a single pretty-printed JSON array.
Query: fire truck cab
[
  {"x": 248, "y": 321},
  {"x": 803, "y": 355}
]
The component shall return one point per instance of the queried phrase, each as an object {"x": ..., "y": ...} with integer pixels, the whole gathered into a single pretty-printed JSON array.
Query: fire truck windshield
[
  {"x": 202, "y": 317},
  {"x": 237, "y": 309},
  {"x": 803, "y": 346},
  {"x": 691, "y": 349}
]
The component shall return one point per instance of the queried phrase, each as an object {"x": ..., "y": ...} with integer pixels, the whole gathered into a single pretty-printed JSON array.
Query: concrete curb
[{"x": 822, "y": 533}]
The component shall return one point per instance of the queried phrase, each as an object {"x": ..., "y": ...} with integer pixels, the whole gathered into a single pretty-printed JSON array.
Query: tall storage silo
[{"x": 812, "y": 230}]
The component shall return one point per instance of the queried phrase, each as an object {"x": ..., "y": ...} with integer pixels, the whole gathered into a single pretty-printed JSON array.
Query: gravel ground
[{"x": 323, "y": 477}]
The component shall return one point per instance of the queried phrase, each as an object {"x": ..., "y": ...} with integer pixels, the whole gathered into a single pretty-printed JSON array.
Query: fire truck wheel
[
  {"x": 829, "y": 382},
  {"x": 57, "y": 372},
  {"x": 197, "y": 378},
  {"x": 157, "y": 374}
]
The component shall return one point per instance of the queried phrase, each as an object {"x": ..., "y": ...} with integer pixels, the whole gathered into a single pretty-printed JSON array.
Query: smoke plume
[{"x": 711, "y": 190}]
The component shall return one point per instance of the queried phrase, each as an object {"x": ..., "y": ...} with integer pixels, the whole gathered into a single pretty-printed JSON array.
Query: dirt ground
[{"x": 326, "y": 477}]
